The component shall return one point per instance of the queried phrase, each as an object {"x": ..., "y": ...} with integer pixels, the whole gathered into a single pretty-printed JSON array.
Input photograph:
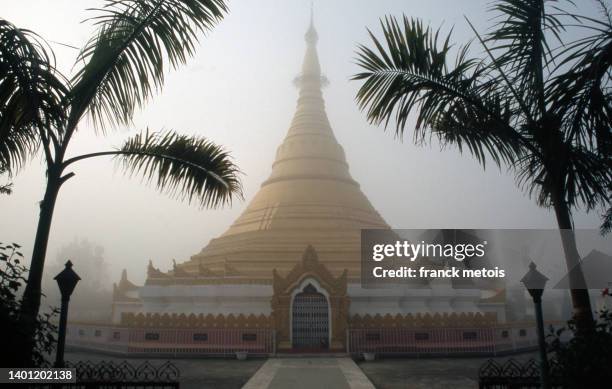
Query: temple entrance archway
[
  {"x": 308, "y": 291},
  {"x": 310, "y": 312}
]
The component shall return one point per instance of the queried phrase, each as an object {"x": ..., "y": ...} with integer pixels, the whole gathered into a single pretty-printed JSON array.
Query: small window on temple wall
[
  {"x": 81, "y": 332},
  {"x": 523, "y": 332},
  {"x": 98, "y": 333},
  {"x": 249, "y": 337},
  {"x": 200, "y": 337},
  {"x": 470, "y": 335},
  {"x": 116, "y": 335},
  {"x": 373, "y": 336},
  {"x": 152, "y": 336},
  {"x": 505, "y": 334},
  {"x": 421, "y": 336}
]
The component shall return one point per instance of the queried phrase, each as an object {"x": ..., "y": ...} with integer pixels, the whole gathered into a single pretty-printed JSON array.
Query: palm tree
[
  {"x": 536, "y": 103},
  {"x": 118, "y": 70}
]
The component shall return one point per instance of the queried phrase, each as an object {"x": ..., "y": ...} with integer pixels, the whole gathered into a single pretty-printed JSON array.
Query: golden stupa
[{"x": 309, "y": 199}]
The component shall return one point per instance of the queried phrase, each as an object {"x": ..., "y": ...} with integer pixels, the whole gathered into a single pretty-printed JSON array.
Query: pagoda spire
[
  {"x": 310, "y": 183},
  {"x": 312, "y": 13},
  {"x": 311, "y": 35},
  {"x": 310, "y": 117},
  {"x": 310, "y": 148},
  {"x": 310, "y": 76}
]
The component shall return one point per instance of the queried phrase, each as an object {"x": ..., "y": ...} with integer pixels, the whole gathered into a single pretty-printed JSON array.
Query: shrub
[
  {"x": 12, "y": 278},
  {"x": 585, "y": 361}
]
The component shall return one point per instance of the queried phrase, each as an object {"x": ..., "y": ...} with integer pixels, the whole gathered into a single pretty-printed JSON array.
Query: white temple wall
[
  {"x": 256, "y": 299},
  {"x": 207, "y": 299}
]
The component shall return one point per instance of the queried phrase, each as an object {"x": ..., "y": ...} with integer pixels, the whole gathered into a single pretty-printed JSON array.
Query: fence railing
[
  {"x": 513, "y": 374},
  {"x": 442, "y": 341},
  {"x": 176, "y": 341},
  {"x": 117, "y": 375},
  {"x": 110, "y": 371},
  {"x": 495, "y": 340}
]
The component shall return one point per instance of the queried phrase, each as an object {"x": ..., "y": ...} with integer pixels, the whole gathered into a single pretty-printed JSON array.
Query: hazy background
[{"x": 238, "y": 91}]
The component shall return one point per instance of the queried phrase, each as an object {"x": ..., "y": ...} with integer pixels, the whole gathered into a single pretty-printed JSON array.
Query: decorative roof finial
[
  {"x": 311, "y": 35},
  {"x": 312, "y": 14}
]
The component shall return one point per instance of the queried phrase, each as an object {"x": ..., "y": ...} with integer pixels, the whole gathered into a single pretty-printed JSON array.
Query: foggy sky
[{"x": 238, "y": 92}]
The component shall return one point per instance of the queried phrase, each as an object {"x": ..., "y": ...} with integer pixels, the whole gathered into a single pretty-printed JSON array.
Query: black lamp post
[
  {"x": 66, "y": 280},
  {"x": 535, "y": 281}
]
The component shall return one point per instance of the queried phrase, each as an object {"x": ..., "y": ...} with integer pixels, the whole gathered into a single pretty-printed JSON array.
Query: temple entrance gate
[
  {"x": 310, "y": 307},
  {"x": 310, "y": 319}
]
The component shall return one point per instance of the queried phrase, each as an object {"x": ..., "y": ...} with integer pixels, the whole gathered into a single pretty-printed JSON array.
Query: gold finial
[{"x": 311, "y": 34}]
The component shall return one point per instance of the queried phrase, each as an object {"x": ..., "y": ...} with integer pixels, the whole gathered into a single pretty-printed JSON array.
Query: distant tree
[
  {"x": 12, "y": 278},
  {"x": 93, "y": 297},
  {"x": 88, "y": 259},
  {"x": 117, "y": 71},
  {"x": 536, "y": 102}
]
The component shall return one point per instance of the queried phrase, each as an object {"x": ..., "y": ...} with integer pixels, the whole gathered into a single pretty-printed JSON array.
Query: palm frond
[
  {"x": 458, "y": 101},
  {"x": 7, "y": 188},
  {"x": 588, "y": 178},
  {"x": 31, "y": 92},
  {"x": 521, "y": 38},
  {"x": 582, "y": 95},
  {"x": 585, "y": 177},
  {"x": 125, "y": 62},
  {"x": 189, "y": 168},
  {"x": 606, "y": 226}
]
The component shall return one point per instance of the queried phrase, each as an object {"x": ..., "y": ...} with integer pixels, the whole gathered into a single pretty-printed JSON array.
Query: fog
[{"x": 238, "y": 92}]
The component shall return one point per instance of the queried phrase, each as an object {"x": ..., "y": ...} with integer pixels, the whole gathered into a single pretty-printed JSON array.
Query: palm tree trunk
[
  {"x": 30, "y": 302},
  {"x": 580, "y": 295}
]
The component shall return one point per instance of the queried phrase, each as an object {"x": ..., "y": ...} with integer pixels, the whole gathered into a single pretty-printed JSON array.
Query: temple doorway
[{"x": 310, "y": 320}]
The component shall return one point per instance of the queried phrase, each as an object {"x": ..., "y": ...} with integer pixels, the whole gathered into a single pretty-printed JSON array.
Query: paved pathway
[{"x": 307, "y": 373}]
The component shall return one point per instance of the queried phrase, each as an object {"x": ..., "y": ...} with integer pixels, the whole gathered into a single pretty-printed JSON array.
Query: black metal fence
[
  {"x": 119, "y": 375},
  {"x": 513, "y": 374}
]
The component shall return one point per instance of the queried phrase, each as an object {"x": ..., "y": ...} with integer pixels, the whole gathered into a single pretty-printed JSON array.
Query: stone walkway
[
  {"x": 307, "y": 373},
  {"x": 317, "y": 372}
]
